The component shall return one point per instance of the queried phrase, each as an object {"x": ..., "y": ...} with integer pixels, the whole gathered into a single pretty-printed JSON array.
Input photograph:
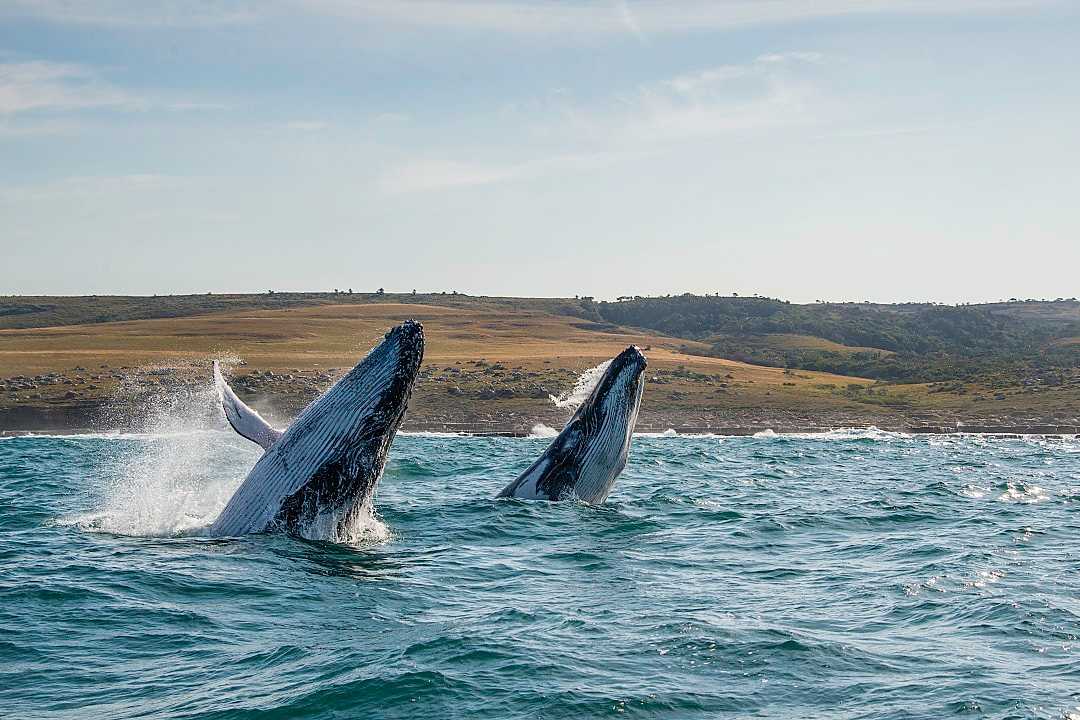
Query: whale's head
[
  {"x": 370, "y": 400},
  {"x": 604, "y": 425},
  {"x": 590, "y": 452},
  {"x": 617, "y": 395},
  {"x": 389, "y": 370}
]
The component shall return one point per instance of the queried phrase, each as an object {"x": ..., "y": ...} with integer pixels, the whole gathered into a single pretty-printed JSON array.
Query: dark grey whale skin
[
  {"x": 325, "y": 467},
  {"x": 590, "y": 452}
]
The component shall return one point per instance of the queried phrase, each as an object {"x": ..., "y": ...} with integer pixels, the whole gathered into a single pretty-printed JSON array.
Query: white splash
[
  {"x": 973, "y": 491},
  {"x": 867, "y": 433},
  {"x": 363, "y": 528},
  {"x": 540, "y": 430},
  {"x": 1023, "y": 493},
  {"x": 841, "y": 434},
  {"x": 179, "y": 472},
  {"x": 584, "y": 386}
]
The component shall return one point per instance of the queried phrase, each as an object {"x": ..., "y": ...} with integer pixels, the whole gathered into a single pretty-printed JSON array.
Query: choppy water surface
[{"x": 852, "y": 575}]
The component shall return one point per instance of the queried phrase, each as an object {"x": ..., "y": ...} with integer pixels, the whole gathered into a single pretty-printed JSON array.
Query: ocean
[{"x": 852, "y": 574}]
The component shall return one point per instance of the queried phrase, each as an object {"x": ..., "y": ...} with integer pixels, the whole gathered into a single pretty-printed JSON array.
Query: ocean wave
[
  {"x": 784, "y": 566},
  {"x": 1025, "y": 493},
  {"x": 839, "y": 434},
  {"x": 670, "y": 433},
  {"x": 540, "y": 430}
]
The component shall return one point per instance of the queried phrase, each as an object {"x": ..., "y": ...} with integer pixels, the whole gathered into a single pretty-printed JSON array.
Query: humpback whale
[
  {"x": 586, "y": 457},
  {"x": 317, "y": 478}
]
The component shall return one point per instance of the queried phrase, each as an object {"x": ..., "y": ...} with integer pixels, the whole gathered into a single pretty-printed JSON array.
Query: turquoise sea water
[{"x": 852, "y": 575}]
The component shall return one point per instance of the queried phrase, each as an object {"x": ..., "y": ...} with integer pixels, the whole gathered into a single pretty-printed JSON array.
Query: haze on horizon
[{"x": 843, "y": 150}]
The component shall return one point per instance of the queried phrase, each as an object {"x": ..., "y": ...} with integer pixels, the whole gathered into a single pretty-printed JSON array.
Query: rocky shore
[{"x": 474, "y": 397}]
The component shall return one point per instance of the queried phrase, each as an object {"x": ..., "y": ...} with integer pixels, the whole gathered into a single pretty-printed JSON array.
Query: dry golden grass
[
  {"x": 538, "y": 348},
  {"x": 694, "y": 390},
  {"x": 338, "y": 335}
]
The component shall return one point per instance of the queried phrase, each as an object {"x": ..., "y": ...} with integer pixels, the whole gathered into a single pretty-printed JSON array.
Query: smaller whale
[
  {"x": 317, "y": 478},
  {"x": 590, "y": 452}
]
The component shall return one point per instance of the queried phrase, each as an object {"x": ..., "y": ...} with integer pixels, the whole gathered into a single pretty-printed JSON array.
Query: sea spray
[
  {"x": 180, "y": 472},
  {"x": 540, "y": 430},
  {"x": 362, "y": 527},
  {"x": 584, "y": 386}
]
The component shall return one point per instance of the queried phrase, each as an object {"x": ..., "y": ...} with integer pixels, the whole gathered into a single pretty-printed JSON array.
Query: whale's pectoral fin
[{"x": 243, "y": 419}]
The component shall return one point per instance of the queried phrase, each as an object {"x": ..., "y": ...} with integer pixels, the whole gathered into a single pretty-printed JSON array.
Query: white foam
[
  {"x": 1023, "y": 493},
  {"x": 540, "y": 430},
  {"x": 584, "y": 386},
  {"x": 672, "y": 432},
  {"x": 854, "y": 433},
  {"x": 973, "y": 491},
  {"x": 363, "y": 528},
  {"x": 177, "y": 473}
]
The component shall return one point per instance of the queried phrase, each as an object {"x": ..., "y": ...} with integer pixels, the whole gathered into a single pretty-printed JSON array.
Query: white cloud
[
  {"x": 640, "y": 17},
  {"x": 306, "y": 125},
  {"x": 432, "y": 174},
  {"x": 666, "y": 118},
  {"x": 531, "y": 17},
  {"x": 691, "y": 82},
  {"x": 769, "y": 91},
  {"x": 629, "y": 20},
  {"x": 137, "y": 13},
  {"x": 13, "y": 127},
  {"x": 809, "y": 57},
  {"x": 26, "y": 86},
  {"x": 424, "y": 174},
  {"x": 88, "y": 187},
  {"x": 30, "y": 89}
]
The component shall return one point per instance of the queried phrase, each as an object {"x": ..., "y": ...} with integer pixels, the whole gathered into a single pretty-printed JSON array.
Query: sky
[{"x": 883, "y": 150}]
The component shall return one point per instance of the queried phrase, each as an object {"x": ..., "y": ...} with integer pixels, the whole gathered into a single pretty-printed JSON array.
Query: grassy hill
[
  {"x": 28, "y": 311},
  {"x": 492, "y": 362},
  {"x": 901, "y": 343}
]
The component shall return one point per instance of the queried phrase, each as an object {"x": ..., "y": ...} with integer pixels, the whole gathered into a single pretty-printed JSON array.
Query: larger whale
[
  {"x": 317, "y": 478},
  {"x": 590, "y": 452}
]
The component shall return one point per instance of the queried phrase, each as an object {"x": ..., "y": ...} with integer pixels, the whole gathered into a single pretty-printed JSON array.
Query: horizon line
[{"x": 615, "y": 299}]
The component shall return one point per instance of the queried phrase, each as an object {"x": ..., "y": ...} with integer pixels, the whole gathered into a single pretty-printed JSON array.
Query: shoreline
[
  {"x": 492, "y": 419},
  {"x": 463, "y": 430}
]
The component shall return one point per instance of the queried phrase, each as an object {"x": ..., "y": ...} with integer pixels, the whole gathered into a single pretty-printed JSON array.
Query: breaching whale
[
  {"x": 317, "y": 478},
  {"x": 590, "y": 452}
]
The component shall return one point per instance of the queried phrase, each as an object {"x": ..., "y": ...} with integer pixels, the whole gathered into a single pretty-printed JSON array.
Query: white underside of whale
[{"x": 345, "y": 418}]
